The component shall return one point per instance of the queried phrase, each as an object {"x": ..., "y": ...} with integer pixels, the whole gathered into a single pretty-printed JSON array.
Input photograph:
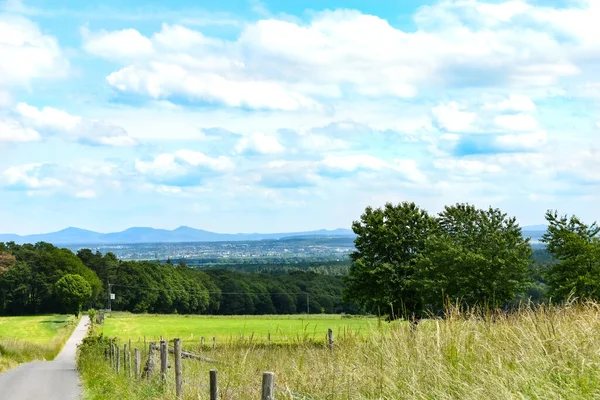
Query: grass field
[
  {"x": 25, "y": 339},
  {"x": 541, "y": 353},
  {"x": 284, "y": 328}
]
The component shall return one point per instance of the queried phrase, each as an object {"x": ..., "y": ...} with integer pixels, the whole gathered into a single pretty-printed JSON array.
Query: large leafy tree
[
  {"x": 73, "y": 291},
  {"x": 473, "y": 256},
  {"x": 576, "y": 246},
  {"x": 382, "y": 275}
]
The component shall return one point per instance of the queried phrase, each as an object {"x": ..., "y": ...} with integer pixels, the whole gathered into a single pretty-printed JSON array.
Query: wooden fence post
[
  {"x": 110, "y": 350},
  {"x": 214, "y": 342},
  {"x": 129, "y": 361},
  {"x": 164, "y": 357},
  {"x": 137, "y": 361},
  {"x": 178, "y": 370},
  {"x": 269, "y": 338},
  {"x": 202, "y": 342},
  {"x": 214, "y": 386},
  {"x": 268, "y": 386},
  {"x": 106, "y": 356},
  {"x": 125, "y": 357},
  {"x": 150, "y": 364},
  {"x": 330, "y": 338},
  {"x": 118, "y": 359}
]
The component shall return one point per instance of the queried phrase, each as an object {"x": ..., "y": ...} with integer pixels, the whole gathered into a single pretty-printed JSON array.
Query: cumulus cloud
[
  {"x": 79, "y": 179},
  {"x": 183, "y": 168},
  {"x": 456, "y": 44},
  {"x": 259, "y": 143},
  {"x": 13, "y": 131},
  {"x": 515, "y": 102},
  {"x": 27, "y": 54},
  {"x": 123, "y": 44},
  {"x": 92, "y": 132},
  {"x": 451, "y": 117}
]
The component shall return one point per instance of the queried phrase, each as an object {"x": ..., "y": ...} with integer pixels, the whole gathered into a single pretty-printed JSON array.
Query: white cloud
[
  {"x": 123, "y": 44},
  {"x": 48, "y": 117},
  {"x": 517, "y": 122},
  {"x": 183, "y": 168},
  {"x": 76, "y": 128},
  {"x": 352, "y": 163},
  {"x": 27, "y": 54},
  {"x": 13, "y": 131},
  {"x": 317, "y": 142},
  {"x": 467, "y": 167},
  {"x": 451, "y": 117},
  {"x": 196, "y": 158},
  {"x": 162, "y": 80},
  {"x": 260, "y": 143},
  {"x": 456, "y": 44},
  {"x": 27, "y": 176},
  {"x": 514, "y": 102},
  {"x": 411, "y": 170},
  {"x": 86, "y": 194},
  {"x": 525, "y": 141},
  {"x": 407, "y": 168}
]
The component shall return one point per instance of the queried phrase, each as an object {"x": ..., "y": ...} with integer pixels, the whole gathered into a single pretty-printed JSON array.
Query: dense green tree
[
  {"x": 382, "y": 273},
  {"x": 473, "y": 256},
  {"x": 576, "y": 248},
  {"x": 73, "y": 291}
]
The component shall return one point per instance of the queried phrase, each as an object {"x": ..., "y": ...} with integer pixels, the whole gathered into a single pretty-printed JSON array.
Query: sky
[{"x": 278, "y": 116}]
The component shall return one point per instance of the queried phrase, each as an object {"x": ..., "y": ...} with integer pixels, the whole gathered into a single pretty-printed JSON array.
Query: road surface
[{"x": 47, "y": 380}]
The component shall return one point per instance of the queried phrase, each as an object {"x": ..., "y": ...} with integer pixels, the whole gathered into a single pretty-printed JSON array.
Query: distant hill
[{"x": 150, "y": 235}]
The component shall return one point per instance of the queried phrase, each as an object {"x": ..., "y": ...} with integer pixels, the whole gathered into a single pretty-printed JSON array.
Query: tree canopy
[
  {"x": 408, "y": 263},
  {"x": 73, "y": 291},
  {"x": 576, "y": 247}
]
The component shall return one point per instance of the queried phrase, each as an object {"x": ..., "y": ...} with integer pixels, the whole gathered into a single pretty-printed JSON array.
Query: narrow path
[{"x": 47, "y": 380}]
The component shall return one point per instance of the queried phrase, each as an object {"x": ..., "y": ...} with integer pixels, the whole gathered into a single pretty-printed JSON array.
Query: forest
[{"x": 29, "y": 274}]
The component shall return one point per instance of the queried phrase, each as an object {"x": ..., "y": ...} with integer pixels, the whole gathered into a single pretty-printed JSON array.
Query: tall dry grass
[{"x": 544, "y": 352}]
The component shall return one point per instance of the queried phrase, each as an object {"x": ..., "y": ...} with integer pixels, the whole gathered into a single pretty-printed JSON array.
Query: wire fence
[{"x": 122, "y": 362}]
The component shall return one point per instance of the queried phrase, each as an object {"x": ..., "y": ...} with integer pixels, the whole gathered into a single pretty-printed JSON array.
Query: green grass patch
[
  {"x": 24, "y": 339},
  {"x": 283, "y": 328}
]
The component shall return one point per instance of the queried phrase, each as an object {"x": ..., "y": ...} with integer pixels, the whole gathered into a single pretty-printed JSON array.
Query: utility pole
[{"x": 109, "y": 297}]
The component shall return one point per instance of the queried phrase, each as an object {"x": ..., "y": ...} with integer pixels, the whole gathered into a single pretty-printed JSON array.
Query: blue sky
[{"x": 263, "y": 116}]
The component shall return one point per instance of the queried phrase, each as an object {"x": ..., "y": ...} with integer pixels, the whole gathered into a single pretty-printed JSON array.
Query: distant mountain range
[
  {"x": 183, "y": 234},
  {"x": 151, "y": 235}
]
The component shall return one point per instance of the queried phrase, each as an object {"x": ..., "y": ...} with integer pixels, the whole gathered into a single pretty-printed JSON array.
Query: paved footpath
[{"x": 47, "y": 380}]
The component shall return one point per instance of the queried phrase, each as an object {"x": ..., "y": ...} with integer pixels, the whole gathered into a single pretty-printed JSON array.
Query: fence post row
[{"x": 268, "y": 386}]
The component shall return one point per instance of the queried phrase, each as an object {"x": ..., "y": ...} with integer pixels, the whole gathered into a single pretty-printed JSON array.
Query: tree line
[
  {"x": 42, "y": 278},
  {"x": 411, "y": 264}
]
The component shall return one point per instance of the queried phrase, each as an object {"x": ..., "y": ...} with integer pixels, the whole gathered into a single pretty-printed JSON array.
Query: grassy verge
[
  {"x": 541, "y": 353},
  {"x": 24, "y": 339}
]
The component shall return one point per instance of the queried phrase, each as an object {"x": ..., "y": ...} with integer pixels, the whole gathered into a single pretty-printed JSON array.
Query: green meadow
[
  {"x": 190, "y": 328},
  {"x": 24, "y": 339}
]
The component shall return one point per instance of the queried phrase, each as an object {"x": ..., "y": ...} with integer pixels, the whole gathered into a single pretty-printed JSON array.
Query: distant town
[{"x": 284, "y": 251}]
